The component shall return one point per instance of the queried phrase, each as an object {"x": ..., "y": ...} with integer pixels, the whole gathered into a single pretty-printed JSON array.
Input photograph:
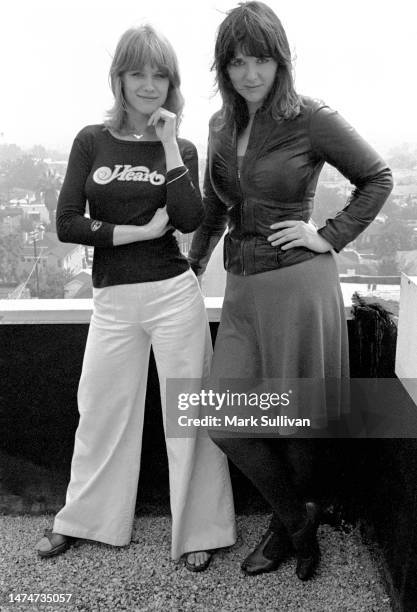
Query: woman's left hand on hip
[{"x": 298, "y": 234}]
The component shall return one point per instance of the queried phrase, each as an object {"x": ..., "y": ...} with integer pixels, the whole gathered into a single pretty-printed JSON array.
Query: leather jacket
[{"x": 277, "y": 181}]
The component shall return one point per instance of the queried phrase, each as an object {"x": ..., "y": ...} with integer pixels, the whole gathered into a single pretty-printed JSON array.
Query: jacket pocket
[{"x": 293, "y": 256}]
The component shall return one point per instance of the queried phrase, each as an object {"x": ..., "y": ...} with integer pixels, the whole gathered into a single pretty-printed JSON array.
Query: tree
[
  {"x": 409, "y": 211},
  {"x": 38, "y": 152},
  {"x": 49, "y": 185},
  {"x": 11, "y": 252},
  {"x": 402, "y": 158},
  {"x": 26, "y": 223},
  {"x": 392, "y": 209},
  {"x": 388, "y": 266},
  {"x": 51, "y": 283},
  {"x": 396, "y": 236},
  {"x": 10, "y": 152},
  {"x": 23, "y": 172},
  {"x": 327, "y": 203}
]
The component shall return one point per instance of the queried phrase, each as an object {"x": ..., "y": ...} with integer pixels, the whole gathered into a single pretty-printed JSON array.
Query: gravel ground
[{"x": 142, "y": 578}]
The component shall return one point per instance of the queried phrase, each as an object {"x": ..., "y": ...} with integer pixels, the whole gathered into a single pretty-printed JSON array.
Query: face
[
  {"x": 146, "y": 89},
  {"x": 252, "y": 77}
]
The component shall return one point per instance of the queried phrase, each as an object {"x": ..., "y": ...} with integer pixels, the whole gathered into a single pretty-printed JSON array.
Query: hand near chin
[
  {"x": 165, "y": 124},
  {"x": 298, "y": 234}
]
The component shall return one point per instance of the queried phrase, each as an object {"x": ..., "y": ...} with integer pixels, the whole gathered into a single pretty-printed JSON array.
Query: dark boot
[
  {"x": 305, "y": 543},
  {"x": 271, "y": 551}
]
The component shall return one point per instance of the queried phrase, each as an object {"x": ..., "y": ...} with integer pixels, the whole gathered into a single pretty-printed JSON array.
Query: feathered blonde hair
[{"x": 136, "y": 48}]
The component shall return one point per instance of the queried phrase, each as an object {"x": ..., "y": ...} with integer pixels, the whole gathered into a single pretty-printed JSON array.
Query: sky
[{"x": 357, "y": 55}]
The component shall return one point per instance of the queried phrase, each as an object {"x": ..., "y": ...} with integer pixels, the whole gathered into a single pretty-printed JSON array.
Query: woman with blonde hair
[{"x": 141, "y": 183}]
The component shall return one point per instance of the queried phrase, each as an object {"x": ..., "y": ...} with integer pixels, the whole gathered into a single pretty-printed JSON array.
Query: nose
[
  {"x": 148, "y": 84},
  {"x": 251, "y": 72}
]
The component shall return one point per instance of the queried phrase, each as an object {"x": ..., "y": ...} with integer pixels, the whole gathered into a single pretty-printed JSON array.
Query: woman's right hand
[
  {"x": 155, "y": 228},
  {"x": 158, "y": 225}
]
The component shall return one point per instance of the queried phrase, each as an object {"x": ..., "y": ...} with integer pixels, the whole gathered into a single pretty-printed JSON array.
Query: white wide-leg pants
[{"x": 101, "y": 496}]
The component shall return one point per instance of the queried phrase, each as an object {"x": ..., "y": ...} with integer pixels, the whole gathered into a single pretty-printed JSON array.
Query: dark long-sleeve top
[
  {"x": 125, "y": 183},
  {"x": 277, "y": 181}
]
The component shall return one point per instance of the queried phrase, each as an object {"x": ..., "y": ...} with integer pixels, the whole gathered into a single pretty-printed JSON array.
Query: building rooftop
[{"x": 142, "y": 577}]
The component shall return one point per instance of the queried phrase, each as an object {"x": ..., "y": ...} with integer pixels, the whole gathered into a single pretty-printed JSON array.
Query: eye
[
  {"x": 160, "y": 75},
  {"x": 236, "y": 62},
  {"x": 135, "y": 73},
  {"x": 263, "y": 60}
]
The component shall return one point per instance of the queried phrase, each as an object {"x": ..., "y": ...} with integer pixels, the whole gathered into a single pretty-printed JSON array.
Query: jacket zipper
[
  {"x": 242, "y": 255},
  {"x": 242, "y": 198}
]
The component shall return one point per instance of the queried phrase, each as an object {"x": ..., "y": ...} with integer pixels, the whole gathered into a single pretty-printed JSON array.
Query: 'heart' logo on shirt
[{"x": 104, "y": 175}]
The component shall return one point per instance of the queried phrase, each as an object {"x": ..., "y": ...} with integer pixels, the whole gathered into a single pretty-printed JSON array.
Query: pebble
[{"x": 141, "y": 578}]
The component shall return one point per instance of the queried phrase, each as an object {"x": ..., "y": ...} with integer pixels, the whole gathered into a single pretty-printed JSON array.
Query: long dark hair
[{"x": 255, "y": 29}]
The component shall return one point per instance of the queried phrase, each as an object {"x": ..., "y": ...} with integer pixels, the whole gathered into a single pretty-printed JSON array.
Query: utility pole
[{"x": 34, "y": 235}]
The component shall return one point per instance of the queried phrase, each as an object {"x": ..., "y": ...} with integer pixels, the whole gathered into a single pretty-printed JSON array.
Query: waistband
[{"x": 254, "y": 254}]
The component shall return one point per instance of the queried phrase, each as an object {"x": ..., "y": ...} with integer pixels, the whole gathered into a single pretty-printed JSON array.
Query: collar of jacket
[{"x": 223, "y": 153}]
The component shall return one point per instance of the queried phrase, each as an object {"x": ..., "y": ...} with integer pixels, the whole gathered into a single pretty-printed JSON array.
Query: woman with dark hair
[
  {"x": 283, "y": 313},
  {"x": 141, "y": 183}
]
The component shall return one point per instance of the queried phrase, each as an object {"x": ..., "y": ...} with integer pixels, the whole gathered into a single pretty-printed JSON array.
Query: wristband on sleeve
[{"x": 178, "y": 177}]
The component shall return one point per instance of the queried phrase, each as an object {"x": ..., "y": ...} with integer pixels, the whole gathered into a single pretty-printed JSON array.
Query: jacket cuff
[{"x": 328, "y": 234}]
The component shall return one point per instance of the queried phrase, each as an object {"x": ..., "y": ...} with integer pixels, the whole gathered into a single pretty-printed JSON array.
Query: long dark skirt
[
  {"x": 285, "y": 324},
  {"x": 288, "y": 323}
]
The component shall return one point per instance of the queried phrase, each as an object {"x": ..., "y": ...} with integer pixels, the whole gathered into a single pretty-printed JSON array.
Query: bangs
[
  {"x": 252, "y": 37},
  {"x": 254, "y": 47},
  {"x": 138, "y": 48}
]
